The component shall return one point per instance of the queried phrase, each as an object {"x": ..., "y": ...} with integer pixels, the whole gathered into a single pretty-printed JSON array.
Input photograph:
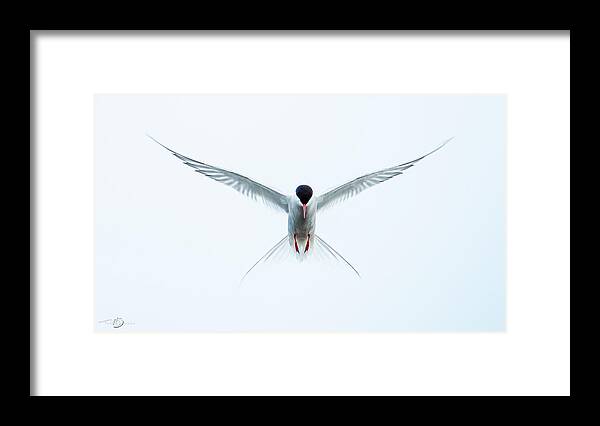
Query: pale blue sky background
[{"x": 171, "y": 245}]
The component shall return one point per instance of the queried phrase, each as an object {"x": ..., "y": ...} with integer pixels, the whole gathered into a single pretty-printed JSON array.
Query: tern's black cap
[{"x": 304, "y": 192}]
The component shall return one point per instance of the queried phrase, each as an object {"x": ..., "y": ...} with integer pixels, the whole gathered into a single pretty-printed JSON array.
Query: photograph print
[{"x": 308, "y": 213}]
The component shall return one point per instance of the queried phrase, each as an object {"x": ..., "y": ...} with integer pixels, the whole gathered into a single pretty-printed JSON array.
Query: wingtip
[
  {"x": 445, "y": 142},
  {"x": 150, "y": 137},
  {"x": 155, "y": 140},
  {"x": 439, "y": 147}
]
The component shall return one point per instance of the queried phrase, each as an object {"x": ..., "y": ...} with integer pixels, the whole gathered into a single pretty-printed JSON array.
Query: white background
[
  {"x": 532, "y": 357},
  {"x": 172, "y": 245}
]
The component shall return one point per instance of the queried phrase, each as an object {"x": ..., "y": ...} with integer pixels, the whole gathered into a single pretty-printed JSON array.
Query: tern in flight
[{"x": 301, "y": 207}]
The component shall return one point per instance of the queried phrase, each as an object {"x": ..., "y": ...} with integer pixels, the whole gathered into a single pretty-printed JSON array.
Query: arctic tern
[{"x": 302, "y": 206}]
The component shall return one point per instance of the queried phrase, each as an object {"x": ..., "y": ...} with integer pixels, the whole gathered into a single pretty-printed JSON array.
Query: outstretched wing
[
  {"x": 238, "y": 182},
  {"x": 358, "y": 185}
]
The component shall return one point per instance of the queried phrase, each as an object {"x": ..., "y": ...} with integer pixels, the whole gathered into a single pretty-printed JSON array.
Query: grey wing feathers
[
  {"x": 350, "y": 189},
  {"x": 240, "y": 183}
]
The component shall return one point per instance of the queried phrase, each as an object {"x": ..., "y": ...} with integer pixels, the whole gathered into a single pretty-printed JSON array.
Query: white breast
[{"x": 299, "y": 226}]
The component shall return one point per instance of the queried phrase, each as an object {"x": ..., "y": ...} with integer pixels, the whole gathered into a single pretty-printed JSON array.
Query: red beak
[{"x": 304, "y": 210}]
